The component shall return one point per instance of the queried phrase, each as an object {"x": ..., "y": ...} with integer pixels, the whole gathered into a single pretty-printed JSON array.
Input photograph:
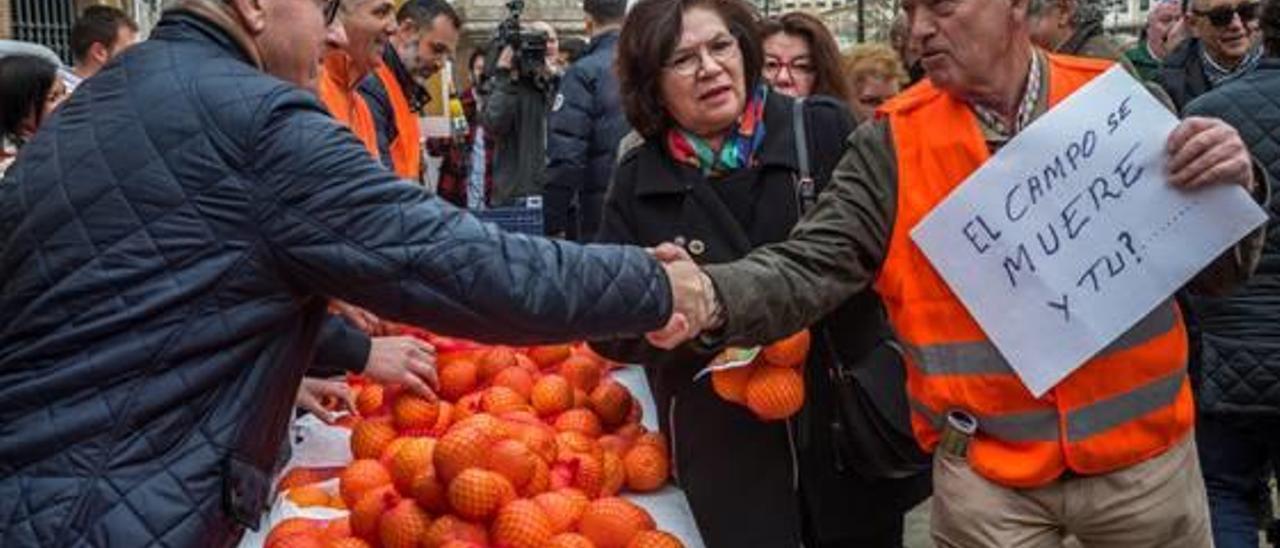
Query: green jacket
[
  {"x": 1148, "y": 66},
  {"x": 837, "y": 249}
]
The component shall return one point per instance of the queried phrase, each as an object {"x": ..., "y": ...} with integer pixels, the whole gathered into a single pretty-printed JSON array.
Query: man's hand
[
  {"x": 363, "y": 319},
  {"x": 406, "y": 361},
  {"x": 314, "y": 394},
  {"x": 696, "y": 307},
  {"x": 1205, "y": 151}
]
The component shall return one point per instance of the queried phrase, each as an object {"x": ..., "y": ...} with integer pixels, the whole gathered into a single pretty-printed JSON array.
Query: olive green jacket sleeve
[
  {"x": 838, "y": 248},
  {"x": 834, "y": 252}
]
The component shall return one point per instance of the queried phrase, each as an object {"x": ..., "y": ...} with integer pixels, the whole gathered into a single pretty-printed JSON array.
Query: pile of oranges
[
  {"x": 527, "y": 448},
  {"x": 772, "y": 385}
]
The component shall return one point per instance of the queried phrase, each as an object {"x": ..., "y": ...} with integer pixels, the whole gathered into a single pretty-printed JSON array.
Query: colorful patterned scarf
[{"x": 736, "y": 151}]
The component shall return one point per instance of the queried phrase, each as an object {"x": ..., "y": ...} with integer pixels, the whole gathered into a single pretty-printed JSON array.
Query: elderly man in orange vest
[
  {"x": 1106, "y": 455},
  {"x": 426, "y": 38},
  {"x": 369, "y": 25}
]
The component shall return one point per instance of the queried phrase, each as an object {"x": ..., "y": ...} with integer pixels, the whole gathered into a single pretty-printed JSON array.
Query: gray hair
[{"x": 1087, "y": 11}]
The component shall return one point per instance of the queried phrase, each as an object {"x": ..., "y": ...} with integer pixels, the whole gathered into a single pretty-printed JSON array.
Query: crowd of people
[{"x": 198, "y": 231}]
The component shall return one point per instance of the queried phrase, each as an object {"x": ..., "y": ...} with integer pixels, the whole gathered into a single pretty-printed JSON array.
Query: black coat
[
  {"x": 740, "y": 473},
  {"x": 1239, "y": 369},
  {"x": 168, "y": 243}
]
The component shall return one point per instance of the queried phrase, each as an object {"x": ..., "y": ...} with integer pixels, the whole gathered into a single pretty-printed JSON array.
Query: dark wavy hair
[
  {"x": 25, "y": 81},
  {"x": 651, "y": 32},
  {"x": 828, "y": 78},
  {"x": 1269, "y": 22}
]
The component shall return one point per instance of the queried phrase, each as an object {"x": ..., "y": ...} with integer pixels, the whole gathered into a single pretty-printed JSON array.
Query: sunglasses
[{"x": 1224, "y": 15}]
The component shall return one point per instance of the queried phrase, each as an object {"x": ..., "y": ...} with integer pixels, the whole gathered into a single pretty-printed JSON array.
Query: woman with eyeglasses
[
  {"x": 801, "y": 57},
  {"x": 29, "y": 91},
  {"x": 719, "y": 173},
  {"x": 1225, "y": 44}
]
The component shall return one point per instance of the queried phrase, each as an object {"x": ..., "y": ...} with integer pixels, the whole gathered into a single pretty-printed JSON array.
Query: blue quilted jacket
[
  {"x": 1240, "y": 337},
  {"x": 167, "y": 245}
]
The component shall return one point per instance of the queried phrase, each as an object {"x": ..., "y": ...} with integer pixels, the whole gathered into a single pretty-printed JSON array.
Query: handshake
[{"x": 696, "y": 307}]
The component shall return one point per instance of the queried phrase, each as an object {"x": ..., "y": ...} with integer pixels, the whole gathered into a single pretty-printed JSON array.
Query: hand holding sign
[
  {"x": 1205, "y": 151},
  {"x": 1085, "y": 222}
]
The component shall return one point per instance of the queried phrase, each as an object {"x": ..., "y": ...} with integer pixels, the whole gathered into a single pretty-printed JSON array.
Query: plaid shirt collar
[{"x": 1026, "y": 109}]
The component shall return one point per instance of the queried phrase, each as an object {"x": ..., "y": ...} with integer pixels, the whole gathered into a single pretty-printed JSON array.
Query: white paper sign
[{"x": 1071, "y": 233}]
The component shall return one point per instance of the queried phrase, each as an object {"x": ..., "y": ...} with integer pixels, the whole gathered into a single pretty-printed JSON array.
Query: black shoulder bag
[{"x": 865, "y": 439}]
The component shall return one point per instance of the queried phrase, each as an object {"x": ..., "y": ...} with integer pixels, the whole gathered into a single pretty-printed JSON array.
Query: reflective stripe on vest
[
  {"x": 1127, "y": 404},
  {"x": 406, "y": 149}
]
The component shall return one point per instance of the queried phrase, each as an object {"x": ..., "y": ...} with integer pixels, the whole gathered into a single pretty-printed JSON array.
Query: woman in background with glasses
[
  {"x": 718, "y": 174},
  {"x": 801, "y": 57}
]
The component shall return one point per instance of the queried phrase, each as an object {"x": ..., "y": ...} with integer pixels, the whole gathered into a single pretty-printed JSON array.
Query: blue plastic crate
[{"x": 525, "y": 220}]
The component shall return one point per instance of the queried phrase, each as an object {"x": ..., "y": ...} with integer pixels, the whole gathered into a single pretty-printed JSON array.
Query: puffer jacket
[
  {"x": 168, "y": 242},
  {"x": 584, "y": 129},
  {"x": 1240, "y": 339}
]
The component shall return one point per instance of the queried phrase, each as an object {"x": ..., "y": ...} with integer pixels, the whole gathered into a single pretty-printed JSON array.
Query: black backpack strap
[{"x": 806, "y": 189}]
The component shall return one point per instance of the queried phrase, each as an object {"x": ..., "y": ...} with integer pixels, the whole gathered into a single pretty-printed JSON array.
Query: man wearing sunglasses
[
  {"x": 1224, "y": 46},
  {"x": 169, "y": 242},
  {"x": 425, "y": 40}
]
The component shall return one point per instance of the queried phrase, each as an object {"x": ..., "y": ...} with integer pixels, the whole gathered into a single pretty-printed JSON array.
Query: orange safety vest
[
  {"x": 338, "y": 93},
  {"x": 406, "y": 149},
  {"x": 1129, "y": 403}
]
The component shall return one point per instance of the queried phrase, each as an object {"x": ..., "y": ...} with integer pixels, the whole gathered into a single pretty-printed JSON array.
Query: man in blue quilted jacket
[
  {"x": 168, "y": 243},
  {"x": 1238, "y": 376}
]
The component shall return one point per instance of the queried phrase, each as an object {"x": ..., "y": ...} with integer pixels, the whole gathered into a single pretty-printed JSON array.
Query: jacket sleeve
[
  {"x": 617, "y": 225},
  {"x": 336, "y": 223},
  {"x": 834, "y": 252},
  {"x": 569, "y": 130},
  {"x": 341, "y": 348},
  {"x": 499, "y": 113},
  {"x": 384, "y": 122}
]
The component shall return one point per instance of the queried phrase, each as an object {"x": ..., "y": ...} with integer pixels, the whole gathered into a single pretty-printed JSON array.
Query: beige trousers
[{"x": 1159, "y": 503}]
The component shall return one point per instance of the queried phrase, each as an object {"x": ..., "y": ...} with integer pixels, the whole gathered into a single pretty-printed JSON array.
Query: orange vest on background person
[
  {"x": 406, "y": 149},
  {"x": 1129, "y": 403},
  {"x": 337, "y": 91}
]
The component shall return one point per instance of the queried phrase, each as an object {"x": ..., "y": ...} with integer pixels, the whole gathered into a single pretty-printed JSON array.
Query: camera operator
[{"x": 519, "y": 95}]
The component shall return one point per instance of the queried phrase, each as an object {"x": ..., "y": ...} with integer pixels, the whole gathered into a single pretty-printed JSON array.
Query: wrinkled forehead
[{"x": 700, "y": 25}]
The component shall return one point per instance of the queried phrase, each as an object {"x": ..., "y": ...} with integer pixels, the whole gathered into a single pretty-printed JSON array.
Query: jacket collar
[
  {"x": 1080, "y": 37},
  {"x": 418, "y": 96},
  {"x": 657, "y": 173},
  {"x": 600, "y": 41},
  {"x": 339, "y": 70},
  {"x": 219, "y": 22}
]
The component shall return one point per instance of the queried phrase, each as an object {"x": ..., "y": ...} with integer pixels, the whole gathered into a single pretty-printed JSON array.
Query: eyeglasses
[
  {"x": 331, "y": 11},
  {"x": 722, "y": 49},
  {"x": 1224, "y": 15},
  {"x": 796, "y": 68}
]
